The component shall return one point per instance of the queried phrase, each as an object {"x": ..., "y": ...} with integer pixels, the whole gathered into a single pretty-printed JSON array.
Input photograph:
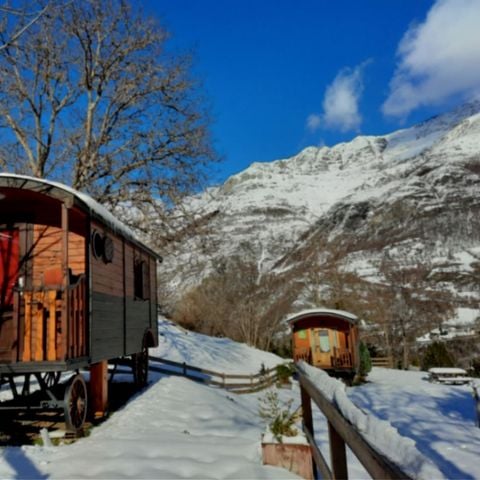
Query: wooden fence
[
  {"x": 341, "y": 433},
  {"x": 235, "y": 382},
  {"x": 386, "y": 362}
]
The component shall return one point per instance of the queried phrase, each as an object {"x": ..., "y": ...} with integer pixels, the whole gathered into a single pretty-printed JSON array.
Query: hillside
[
  {"x": 411, "y": 196},
  {"x": 179, "y": 429}
]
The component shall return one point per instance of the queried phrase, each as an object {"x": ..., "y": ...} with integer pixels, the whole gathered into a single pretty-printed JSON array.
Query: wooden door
[
  {"x": 322, "y": 346},
  {"x": 9, "y": 258},
  {"x": 9, "y": 263}
]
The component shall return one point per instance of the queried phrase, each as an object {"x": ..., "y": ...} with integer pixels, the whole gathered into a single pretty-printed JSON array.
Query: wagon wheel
[
  {"x": 49, "y": 379},
  {"x": 75, "y": 403},
  {"x": 140, "y": 366}
]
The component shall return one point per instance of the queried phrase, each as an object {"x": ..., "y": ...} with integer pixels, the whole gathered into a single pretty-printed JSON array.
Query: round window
[
  {"x": 98, "y": 244},
  {"x": 108, "y": 250}
]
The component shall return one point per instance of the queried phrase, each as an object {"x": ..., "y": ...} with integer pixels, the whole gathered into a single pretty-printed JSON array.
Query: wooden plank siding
[
  {"x": 107, "y": 278},
  {"x": 88, "y": 316},
  {"x": 138, "y": 316},
  {"x": 119, "y": 320},
  {"x": 47, "y": 252},
  {"x": 153, "y": 297}
]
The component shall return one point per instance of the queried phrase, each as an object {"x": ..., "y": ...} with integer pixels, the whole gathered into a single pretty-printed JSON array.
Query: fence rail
[
  {"x": 386, "y": 362},
  {"x": 253, "y": 383},
  {"x": 341, "y": 433}
]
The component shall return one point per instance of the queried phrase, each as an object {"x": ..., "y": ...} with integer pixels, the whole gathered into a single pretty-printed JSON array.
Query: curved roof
[
  {"x": 83, "y": 201},
  {"x": 349, "y": 317}
]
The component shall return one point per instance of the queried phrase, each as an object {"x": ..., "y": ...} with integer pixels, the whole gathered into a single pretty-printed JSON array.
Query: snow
[
  {"x": 439, "y": 418},
  {"x": 179, "y": 429},
  {"x": 447, "y": 371},
  {"x": 379, "y": 433},
  {"x": 217, "y": 354},
  {"x": 277, "y": 207},
  {"x": 465, "y": 316},
  {"x": 321, "y": 311}
]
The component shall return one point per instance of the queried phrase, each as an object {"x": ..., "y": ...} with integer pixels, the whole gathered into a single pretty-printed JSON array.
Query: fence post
[
  {"x": 184, "y": 365},
  {"x": 476, "y": 401},
  {"x": 338, "y": 454},
  {"x": 308, "y": 420},
  {"x": 306, "y": 409},
  {"x": 223, "y": 380}
]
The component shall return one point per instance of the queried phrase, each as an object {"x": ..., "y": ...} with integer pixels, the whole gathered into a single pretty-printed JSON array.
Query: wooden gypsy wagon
[
  {"x": 327, "y": 339},
  {"x": 77, "y": 290}
]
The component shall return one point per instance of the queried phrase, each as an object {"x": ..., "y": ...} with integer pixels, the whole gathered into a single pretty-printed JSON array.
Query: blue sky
[{"x": 281, "y": 75}]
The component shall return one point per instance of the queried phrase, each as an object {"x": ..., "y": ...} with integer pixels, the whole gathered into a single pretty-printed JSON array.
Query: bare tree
[
  {"x": 240, "y": 300},
  {"x": 9, "y": 13},
  {"x": 89, "y": 96},
  {"x": 415, "y": 307}
]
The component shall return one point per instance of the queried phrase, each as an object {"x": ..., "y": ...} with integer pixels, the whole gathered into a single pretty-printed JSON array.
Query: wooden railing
[
  {"x": 54, "y": 323},
  {"x": 229, "y": 381},
  {"x": 77, "y": 344},
  {"x": 386, "y": 362},
  {"x": 342, "y": 358},
  {"x": 341, "y": 433},
  {"x": 304, "y": 354}
]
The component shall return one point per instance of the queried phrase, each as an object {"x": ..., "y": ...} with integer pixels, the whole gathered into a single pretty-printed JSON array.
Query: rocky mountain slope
[{"x": 413, "y": 195}]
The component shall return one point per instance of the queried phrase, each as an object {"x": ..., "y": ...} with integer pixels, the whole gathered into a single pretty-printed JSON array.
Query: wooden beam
[
  {"x": 27, "y": 342},
  {"x": 338, "y": 454},
  {"x": 319, "y": 460},
  {"x": 376, "y": 464},
  {"x": 52, "y": 325},
  {"x": 99, "y": 388},
  {"x": 64, "y": 335},
  {"x": 38, "y": 327}
]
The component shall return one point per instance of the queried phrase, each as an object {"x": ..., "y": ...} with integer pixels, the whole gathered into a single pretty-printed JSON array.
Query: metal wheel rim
[{"x": 75, "y": 403}]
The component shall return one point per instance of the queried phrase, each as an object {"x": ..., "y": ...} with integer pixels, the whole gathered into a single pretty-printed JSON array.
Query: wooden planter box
[{"x": 295, "y": 457}]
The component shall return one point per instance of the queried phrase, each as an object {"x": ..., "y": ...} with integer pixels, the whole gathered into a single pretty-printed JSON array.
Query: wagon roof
[
  {"x": 349, "y": 317},
  {"x": 84, "y": 201}
]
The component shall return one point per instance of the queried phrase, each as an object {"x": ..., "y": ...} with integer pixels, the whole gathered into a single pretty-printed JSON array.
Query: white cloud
[
  {"x": 438, "y": 59},
  {"x": 340, "y": 103},
  {"x": 314, "y": 122}
]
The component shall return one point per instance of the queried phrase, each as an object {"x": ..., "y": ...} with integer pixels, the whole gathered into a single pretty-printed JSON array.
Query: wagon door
[
  {"x": 322, "y": 347},
  {"x": 9, "y": 262},
  {"x": 9, "y": 256}
]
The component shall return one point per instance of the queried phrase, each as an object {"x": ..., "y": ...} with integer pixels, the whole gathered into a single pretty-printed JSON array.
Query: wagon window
[
  {"x": 302, "y": 334},
  {"x": 141, "y": 280},
  {"x": 324, "y": 341}
]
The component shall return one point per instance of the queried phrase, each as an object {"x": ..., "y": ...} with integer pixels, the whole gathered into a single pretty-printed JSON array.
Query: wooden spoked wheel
[
  {"x": 140, "y": 366},
  {"x": 49, "y": 379},
  {"x": 75, "y": 403}
]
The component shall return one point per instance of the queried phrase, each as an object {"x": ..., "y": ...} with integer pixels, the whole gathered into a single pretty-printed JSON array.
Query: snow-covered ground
[{"x": 180, "y": 429}]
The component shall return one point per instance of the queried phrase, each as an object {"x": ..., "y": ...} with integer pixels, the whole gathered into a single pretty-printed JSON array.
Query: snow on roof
[
  {"x": 93, "y": 207},
  {"x": 380, "y": 434},
  {"x": 322, "y": 311}
]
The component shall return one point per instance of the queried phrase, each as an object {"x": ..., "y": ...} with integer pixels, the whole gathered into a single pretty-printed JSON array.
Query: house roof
[
  {"x": 83, "y": 201},
  {"x": 349, "y": 317}
]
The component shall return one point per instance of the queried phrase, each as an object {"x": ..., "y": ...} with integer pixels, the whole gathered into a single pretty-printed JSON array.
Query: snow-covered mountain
[{"x": 414, "y": 193}]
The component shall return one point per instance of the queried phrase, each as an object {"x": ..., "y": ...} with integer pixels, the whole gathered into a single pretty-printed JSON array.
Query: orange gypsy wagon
[
  {"x": 327, "y": 339},
  {"x": 77, "y": 290}
]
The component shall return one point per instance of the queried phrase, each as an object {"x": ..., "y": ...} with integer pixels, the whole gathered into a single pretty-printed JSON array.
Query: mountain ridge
[{"x": 418, "y": 185}]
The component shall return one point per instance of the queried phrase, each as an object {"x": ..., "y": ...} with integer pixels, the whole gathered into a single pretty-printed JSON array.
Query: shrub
[
  {"x": 279, "y": 417},
  {"x": 437, "y": 355},
  {"x": 365, "y": 361},
  {"x": 284, "y": 372}
]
